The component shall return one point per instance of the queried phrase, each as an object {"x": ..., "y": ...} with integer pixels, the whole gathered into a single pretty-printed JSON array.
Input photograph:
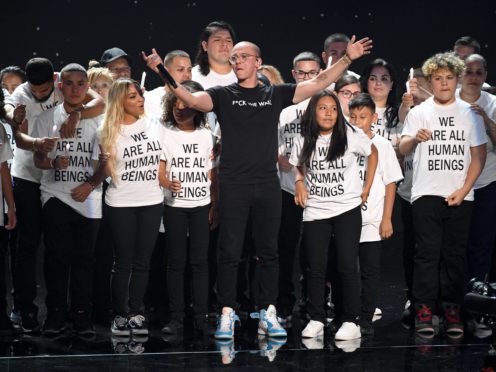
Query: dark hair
[
  {"x": 15, "y": 70},
  {"x": 391, "y": 114},
  {"x": 2, "y": 106},
  {"x": 310, "y": 131},
  {"x": 170, "y": 100},
  {"x": 39, "y": 71},
  {"x": 470, "y": 42},
  {"x": 202, "y": 57},
  {"x": 74, "y": 67},
  {"x": 344, "y": 80},
  {"x": 335, "y": 38},
  {"x": 169, "y": 57},
  {"x": 306, "y": 56},
  {"x": 362, "y": 100}
]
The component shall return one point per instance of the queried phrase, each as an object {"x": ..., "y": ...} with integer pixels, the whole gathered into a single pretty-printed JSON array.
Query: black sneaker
[
  {"x": 423, "y": 320},
  {"x": 203, "y": 326},
  {"x": 137, "y": 324},
  {"x": 82, "y": 324},
  {"x": 366, "y": 327},
  {"x": 29, "y": 323},
  {"x": 173, "y": 327},
  {"x": 6, "y": 326},
  {"x": 119, "y": 326},
  {"x": 54, "y": 323},
  {"x": 452, "y": 321}
]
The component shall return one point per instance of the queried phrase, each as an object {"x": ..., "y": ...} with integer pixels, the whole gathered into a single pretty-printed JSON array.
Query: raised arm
[
  {"x": 354, "y": 50},
  {"x": 200, "y": 101}
]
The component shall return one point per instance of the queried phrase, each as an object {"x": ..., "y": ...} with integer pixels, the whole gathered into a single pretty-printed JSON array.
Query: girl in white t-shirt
[
  {"x": 328, "y": 186},
  {"x": 448, "y": 141},
  {"x": 189, "y": 183},
  {"x": 133, "y": 201}
]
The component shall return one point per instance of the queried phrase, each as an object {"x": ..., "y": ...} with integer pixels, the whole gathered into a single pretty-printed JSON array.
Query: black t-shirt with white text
[{"x": 249, "y": 122}]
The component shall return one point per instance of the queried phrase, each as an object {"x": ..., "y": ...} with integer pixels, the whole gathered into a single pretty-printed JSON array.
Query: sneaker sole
[
  {"x": 321, "y": 333},
  {"x": 223, "y": 337},
  {"x": 426, "y": 330},
  {"x": 139, "y": 331},
  {"x": 120, "y": 332}
]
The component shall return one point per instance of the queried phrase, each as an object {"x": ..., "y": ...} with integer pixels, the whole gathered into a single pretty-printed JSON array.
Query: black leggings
[
  {"x": 180, "y": 221},
  {"x": 134, "y": 230},
  {"x": 346, "y": 229}
]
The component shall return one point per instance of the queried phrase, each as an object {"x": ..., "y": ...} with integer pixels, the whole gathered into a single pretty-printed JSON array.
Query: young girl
[
  {"x": 328, "y": 186},
  {"x": 133, "y": 201},
  {"x": 448, "y": 141},
  {"x": 190, "y": 206}
]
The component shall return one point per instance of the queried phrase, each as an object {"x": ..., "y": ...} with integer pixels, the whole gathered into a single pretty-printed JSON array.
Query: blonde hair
[
  {"x": 96, "y": 73},
  {"x": 274, "y": 74},
  {"x": 114, "y": 117},
  {"x": 443, "y": 61}
]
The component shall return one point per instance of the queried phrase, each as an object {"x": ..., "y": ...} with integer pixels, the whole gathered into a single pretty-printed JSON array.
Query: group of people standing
[{"x": 101, "y": 163}]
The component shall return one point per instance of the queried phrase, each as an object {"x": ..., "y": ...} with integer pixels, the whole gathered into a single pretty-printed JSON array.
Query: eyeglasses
[
  {"x": 240, "y": 58},
  {"x": 302, "y": 74},
  {"x": 348, "y": 93}
]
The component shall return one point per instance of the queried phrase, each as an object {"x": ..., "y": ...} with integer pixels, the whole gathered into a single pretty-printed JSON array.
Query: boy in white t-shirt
[
  {"x": 449, "y": 145},
  {"x": 378, "y": 210}
]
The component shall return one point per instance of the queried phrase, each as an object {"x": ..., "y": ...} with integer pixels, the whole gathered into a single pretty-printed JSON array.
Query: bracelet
[
  {"x": 92, "y": 184},
  {"x": 34, "y": 146},
  {"x": 298, "y": 181},
  {"x": 52, "y": 163},
  {"x": 346, "y": 59}
]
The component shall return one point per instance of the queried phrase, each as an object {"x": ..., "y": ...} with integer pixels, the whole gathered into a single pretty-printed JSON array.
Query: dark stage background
[{"x": 404, "y": 32}]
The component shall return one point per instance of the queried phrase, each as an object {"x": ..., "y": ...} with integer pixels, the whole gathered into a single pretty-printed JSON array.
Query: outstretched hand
[
  {"x": 152, "y": 60},
  {"x": 355, "y": 50}
]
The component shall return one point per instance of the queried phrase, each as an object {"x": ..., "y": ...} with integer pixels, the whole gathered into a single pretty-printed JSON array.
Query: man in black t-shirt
[{"x": 249, "y": 185}]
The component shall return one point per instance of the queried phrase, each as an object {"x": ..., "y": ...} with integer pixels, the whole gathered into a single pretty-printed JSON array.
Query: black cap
[{"x": 114, "y": 53}]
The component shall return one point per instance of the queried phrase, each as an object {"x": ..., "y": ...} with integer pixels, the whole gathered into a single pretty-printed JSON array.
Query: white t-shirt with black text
[
  {"x": 393, "y": 135},
  {"x": 5, "y": 156},
  {"x": 154, "y": 102},
  {"x": 188, "y": 160},
  {"x": 440, "y": 164},
  {"x": 333, "y": 187}
]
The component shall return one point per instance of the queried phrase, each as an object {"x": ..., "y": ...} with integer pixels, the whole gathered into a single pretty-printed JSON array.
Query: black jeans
[
  {"x": 135, "y": 231},
  {"x": 29, "y": 224},
  {"x": 370, "y": 273},
  {"x": 69, "y": 242},
  {"x": 262, "y": 202},
  {"x": 442, "y": 234},
  {"x": 179, "y": 222},
  {"x": 317, "y": 234},
  {"x": 408, "y": 245},
  {"x": 289, "y": 244}
]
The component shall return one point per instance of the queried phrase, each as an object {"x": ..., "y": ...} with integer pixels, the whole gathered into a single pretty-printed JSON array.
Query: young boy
[
  {"x": 448, "y": 142},
  {"x": 377, "y": 211}
]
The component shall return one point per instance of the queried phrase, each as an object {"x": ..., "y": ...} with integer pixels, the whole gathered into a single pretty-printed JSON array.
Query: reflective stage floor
[{"x": 391, "y": 348}]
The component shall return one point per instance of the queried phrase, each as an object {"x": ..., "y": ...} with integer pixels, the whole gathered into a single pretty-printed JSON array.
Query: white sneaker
[
  {"x": 268, "y": 323},
  {"x": 313, "y": 329},
  {"x": 348, "y": 331},
  {"x": 225, "y": 324},
  {"x": 377, "y": 314}
]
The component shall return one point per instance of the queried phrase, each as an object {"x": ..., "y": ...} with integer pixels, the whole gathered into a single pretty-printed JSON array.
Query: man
[
  {"x": 72, "y": 208},
  {"x": 306, "y": 66},
  {"x": 118, "y": 62},
  {"x": 178, "y": 63},
  {"x": 465, "y": 46},
  {"x": 248, "y": 180},
  {"x": 335, "y": 48},
  {"x": 28, "y": 101}
]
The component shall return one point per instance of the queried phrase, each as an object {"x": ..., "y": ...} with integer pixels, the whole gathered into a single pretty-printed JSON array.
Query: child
[
  {"x": 448, "y": 141},
  {"x": 326, "y": 161},
  {"x": 377, "y": 211}
]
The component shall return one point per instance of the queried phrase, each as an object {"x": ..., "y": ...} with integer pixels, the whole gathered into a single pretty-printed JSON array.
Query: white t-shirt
[
  {"x": 188, "y": 160},
  {"x": 139, "y": 149},
  {"x": 388, "y": 171},
  {"x": 8, "y": 128},
  {"x": 405, "y": 187},
  {"x": 440, "y": 165},
  {"x": 153, "y": 102},
  {"x": 5, "y": 155},
  {"x": 393, "y": 135},
  {"x": 333, "y": 187},
  {"x": 59, "y": 183},
  {"x": 289, "y": 129},
  {"x": 213, "y": 79},
  {"x": 488, "y": 103},
  {"x": 23, "y": 164}
]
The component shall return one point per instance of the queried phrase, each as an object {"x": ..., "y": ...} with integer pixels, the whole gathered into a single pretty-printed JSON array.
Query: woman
[
  {"x": 133, "y": 200},
  {"x": 483, "y": 225},
  {"x": 11, "y": 77},
  {"x": 328, "y": 186},
  {"x": 100, "y": 80},
  {"x": 347, "y": 88},
  {"x": 190, "y": 207}
]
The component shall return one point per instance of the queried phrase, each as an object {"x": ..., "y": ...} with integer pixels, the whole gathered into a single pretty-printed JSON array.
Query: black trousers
[
  {"x": 441, "y": 234},
  {"x": 29, "y": 225},
  {"x": 135, "y": 231},
  {"x": 180, "y": 222},
  {"x": 262, "y": 202},
  {"x": 69, "y": 242},
  {"x": 370, "y": 273},
  {"x": 289, "y": 243},
  {"x": 317, "y": 234},
  {"x": 408, "y": 245}
]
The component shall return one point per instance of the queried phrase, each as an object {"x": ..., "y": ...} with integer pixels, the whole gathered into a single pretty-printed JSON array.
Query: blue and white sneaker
[
  {"x": 225, "y": 324},
  {"x": 268, "y": 323}
]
